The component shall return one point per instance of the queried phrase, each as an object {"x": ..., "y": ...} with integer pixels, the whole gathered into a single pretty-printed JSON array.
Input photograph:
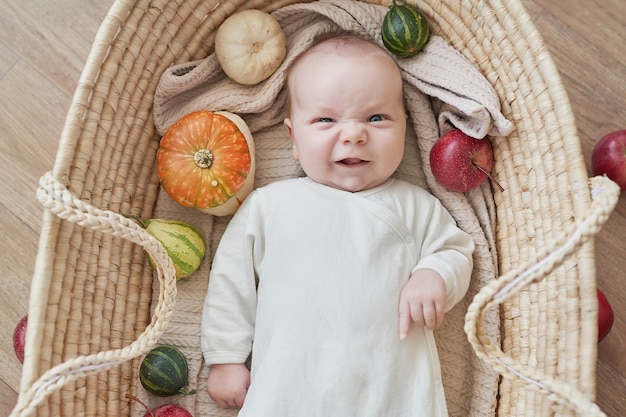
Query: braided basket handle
[
  {"x": 55, "y": 197},
  {"x": 605, "y": 194}
]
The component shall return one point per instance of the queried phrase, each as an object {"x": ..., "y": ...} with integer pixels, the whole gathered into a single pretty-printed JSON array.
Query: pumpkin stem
[
  {"x": 257, "y": 47},
  {"x": 186, "y": 391},
  {"x": 203, "y": 158},
  {"x": 142, "y": 222}
]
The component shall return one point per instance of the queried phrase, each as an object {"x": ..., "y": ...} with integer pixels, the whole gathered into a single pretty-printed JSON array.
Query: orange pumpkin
[{"x": 206, "y": 160}]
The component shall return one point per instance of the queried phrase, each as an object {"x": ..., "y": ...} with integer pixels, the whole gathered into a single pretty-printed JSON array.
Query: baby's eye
[
  {"x": 325, "y": 120},
  {"x": 376, "y": 118}
]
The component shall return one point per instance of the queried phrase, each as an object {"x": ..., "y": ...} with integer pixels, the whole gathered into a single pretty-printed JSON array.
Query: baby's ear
[
  {"x": 293, "y": 142},
  {"x": 287, "y": 123}
]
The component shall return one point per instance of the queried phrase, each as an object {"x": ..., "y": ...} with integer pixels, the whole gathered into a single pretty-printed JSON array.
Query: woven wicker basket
[{"x": 92, "y": 291}]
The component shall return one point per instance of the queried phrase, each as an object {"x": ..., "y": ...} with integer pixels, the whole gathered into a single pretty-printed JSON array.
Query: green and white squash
[
  {"x": 404, "y": 30},
  {"x": 184, "y": 244}
]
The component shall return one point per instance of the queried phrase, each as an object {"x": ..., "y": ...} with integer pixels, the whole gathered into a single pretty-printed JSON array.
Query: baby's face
[{"x": 347, "y": 118}]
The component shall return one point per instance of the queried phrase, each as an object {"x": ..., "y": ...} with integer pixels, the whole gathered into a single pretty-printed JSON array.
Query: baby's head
[{"x": 347, "y": 119}]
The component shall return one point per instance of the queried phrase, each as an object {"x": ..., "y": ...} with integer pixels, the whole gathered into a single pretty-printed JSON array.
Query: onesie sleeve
[
  {"x": 228, "y": 315},
  {"x": 448, "y": 250}
]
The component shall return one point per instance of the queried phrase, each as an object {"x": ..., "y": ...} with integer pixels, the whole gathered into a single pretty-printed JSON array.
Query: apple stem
[
  {"x": 142, "y": 404},
  {"x": 487, "y": 173}
]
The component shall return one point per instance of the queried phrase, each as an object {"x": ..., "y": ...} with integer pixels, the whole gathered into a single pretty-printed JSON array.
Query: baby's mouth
[{"x": 352, "y": 161}]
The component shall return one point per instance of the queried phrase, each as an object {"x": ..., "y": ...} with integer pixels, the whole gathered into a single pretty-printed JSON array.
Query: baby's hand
[
  {"x": 228, "y": 384},
  {"x": 422, "y": 300}
]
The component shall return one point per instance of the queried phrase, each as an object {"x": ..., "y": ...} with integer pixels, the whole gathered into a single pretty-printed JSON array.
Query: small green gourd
[
  {"x": 404, "y": 30},
  {"x": 164, "y": 372}
]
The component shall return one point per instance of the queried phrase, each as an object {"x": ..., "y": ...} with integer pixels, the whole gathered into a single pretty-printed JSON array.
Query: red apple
[
  {"x": 461, "y": 163},
  {"x": 609, "y": 157},
  {"x": 168, "y": 410},
  {"x": 165, "y": 410},
  {"x": 605, "y": 316},
  {"x": 19, "y": 338}
]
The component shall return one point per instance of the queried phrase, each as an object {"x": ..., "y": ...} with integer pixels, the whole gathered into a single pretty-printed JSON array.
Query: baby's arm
[
  {"x": 442, "y": 274},
  {"x": 422, "y": 300},
  {"x": 228, "y": 384},
  {"x": 229, "y": 311}
]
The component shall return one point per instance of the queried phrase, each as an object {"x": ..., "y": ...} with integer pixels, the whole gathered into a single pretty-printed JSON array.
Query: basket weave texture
[{"x": 94, "y": 294}]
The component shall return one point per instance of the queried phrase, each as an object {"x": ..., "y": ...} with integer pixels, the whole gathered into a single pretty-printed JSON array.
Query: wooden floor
[{"x": 43, "y": 47}]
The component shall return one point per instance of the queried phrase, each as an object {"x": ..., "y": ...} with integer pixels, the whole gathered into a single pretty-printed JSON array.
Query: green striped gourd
[
  {"x": 404, "y": 30},
  {"x": 164, "y": 372},
  {"x": 183, "y": 243}
]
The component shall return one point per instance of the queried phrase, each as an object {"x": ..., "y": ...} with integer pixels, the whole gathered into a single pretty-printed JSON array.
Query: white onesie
[{"x": 308, "y": 277}]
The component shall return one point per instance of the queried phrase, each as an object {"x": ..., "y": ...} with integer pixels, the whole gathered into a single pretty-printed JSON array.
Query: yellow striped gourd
[{"x": 184, "y": 243}]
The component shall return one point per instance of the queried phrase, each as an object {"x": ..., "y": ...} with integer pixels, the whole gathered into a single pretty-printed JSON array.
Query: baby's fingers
[
  {"x": 428, "y": 315},
  {"x": 404, "y": 320},
  {"x": 431, "y": 316}
]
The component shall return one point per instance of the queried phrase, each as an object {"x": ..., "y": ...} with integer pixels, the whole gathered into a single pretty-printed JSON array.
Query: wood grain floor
[{"x": 43, "y": 47}]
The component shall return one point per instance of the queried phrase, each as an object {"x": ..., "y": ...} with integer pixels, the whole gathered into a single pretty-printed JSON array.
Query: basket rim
[{"x": 539, "y": 204}]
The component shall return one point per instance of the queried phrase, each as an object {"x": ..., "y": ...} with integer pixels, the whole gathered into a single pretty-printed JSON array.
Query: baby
[{"x": 334, "y": 282}]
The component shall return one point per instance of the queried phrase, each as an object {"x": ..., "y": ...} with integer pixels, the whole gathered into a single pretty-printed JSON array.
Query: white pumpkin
[{"x": 250, "y": 46}]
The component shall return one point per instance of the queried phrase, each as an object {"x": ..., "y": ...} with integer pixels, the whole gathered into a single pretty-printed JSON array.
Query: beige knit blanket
[{"x": 442, "y": 89}]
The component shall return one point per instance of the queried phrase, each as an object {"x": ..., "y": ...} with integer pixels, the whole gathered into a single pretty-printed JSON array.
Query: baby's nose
[{"x": 354, "y": 132}]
